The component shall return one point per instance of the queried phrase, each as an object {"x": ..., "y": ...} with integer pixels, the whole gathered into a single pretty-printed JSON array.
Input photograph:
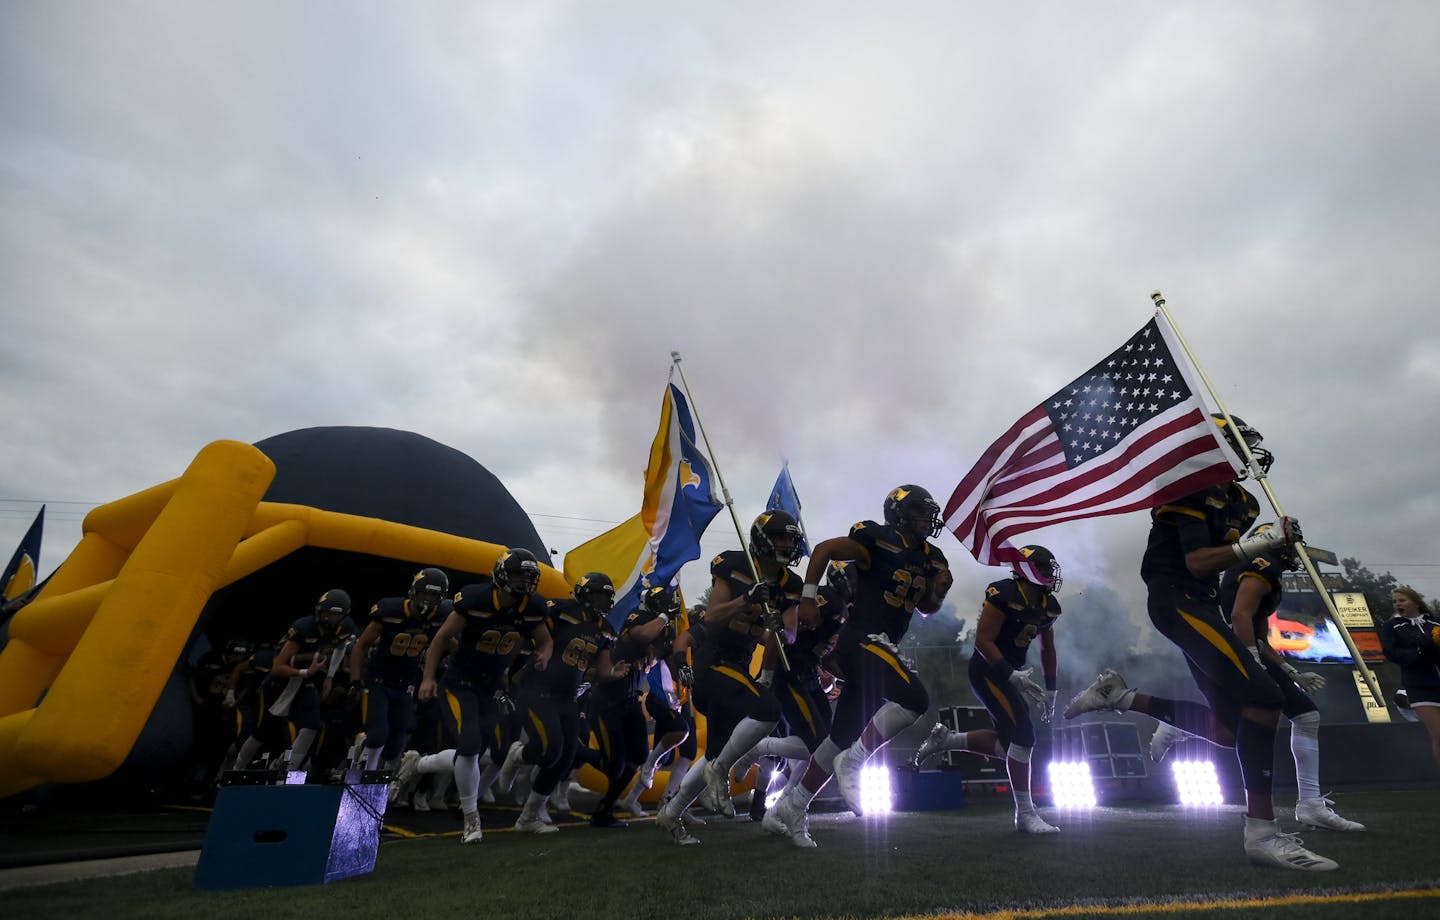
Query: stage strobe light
[
  {"x": 1197, "y": 783},
  {"x": 875, "y": 789},
  {"x": 1071, "y": 785}
]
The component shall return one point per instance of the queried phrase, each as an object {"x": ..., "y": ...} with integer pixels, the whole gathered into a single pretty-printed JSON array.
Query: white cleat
[
  {"x": 438, "y": 801},
  {"x": 716, "y": 795},
  {"x": 933, "y": 744},
  {"x": 1164, "y": 739},
  {"x": 409, "y": 768},
  {"x": 560, "y": 798},
  {"x": 1285, "y": 851},
  {"x": 506, "y": 777},
  {"x": 534, "y": 826},
  {"x": 421, "y": 802},
  {"x": 788, "y": 818},
  {"x": 471, "y": 832},
  {"x": 1107, "y": 692},
  {"x": 633, "y": 809},
  {"x": 847, "y": 776},
  {"x": 1318, "y": 813},
  {"x": 676, "y": 828},
  {"x": 1030, "y": 822}
]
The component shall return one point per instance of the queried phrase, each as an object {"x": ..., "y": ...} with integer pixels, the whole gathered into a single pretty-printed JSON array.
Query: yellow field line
[{"x": 1178, "y": 907}]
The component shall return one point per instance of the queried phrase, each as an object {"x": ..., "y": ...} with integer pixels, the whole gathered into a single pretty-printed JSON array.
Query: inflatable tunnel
[{"x": 241, "y": 542}]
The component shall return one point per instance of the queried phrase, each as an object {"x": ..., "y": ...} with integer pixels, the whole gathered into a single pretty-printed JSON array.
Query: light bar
[
  {"x": 1070, "y": 784},
  {"x": 1196, "y": 782},
  {"x": 875, "y": 790}
]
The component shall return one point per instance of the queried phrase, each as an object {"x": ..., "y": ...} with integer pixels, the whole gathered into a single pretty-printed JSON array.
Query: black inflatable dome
[{"x": 372, "y": 472}]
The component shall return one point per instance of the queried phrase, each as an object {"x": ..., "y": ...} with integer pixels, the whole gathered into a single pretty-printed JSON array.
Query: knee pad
[{"x": 1018, "y": 753}]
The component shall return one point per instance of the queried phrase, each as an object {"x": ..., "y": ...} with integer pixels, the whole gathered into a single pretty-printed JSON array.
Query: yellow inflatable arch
[{"x": 88, "y": 658}]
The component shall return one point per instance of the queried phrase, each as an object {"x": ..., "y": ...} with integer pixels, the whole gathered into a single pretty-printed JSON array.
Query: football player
[
  {"x": 1016, "y": 611},
  {"x": 1192, "y": 540},
  {"x": 743, "y": 611},
  {"x": 551, "y": 715},
  {"x": 486, "y": 628},
  {"x": 616, "y": 714},
  {"x": 399, "y": 632},
  {"x": 319, "y": 641},
  {"x": 899, "y": 571}
]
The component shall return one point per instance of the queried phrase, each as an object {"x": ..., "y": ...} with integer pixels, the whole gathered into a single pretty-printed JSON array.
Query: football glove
[{"x": 1032, "y": 691}]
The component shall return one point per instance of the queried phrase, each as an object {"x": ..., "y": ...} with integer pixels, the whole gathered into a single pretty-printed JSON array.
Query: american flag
[{"x": 1129, "y": 433}]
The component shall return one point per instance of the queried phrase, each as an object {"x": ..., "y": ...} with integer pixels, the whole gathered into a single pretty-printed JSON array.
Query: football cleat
[
  {"x": 1107, "y": 692},
  {"x": 438, "y": 800},
  {"x": 1285, "y": 851},
  {"x": 1030, "y": 822},
  {"x": 633, "y": 809},
  {"x": 933, "y": 744},
  {"x": 607, "y": 819},
  {"x": 847, "y": 777},
  {"x": 506, "y": 778},
  {"x": 716, "y": 795},
  {"x": 471, "y": 832},
  {"x": 676, "y": 828},
  {"x": 560, "y": 798},
  {"x": 1318, "y": 813},
  {"x": 788, "y": 818},
  {"x": 1164, "y": 739},
  {"x": 534, "y": 826},
  {"x": 421, "y": 802},
  {"x": 409, "y": 767}
]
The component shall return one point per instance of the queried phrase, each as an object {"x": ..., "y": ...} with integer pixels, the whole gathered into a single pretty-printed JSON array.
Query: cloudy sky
[{"x": 876, "y": 233}]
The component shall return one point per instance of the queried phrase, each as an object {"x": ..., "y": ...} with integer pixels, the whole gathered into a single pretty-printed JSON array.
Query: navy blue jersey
[
  {"x": 1217, "y": 516},
  {"x": 318, "y": 638},
  {"x": 1268, "y": 569},
  {"x": 1028, "y": 612},
  {"x": 494, "y": 632},
  {"x": 399, "y": 651},
  {"x": 894, "y": 572},
  {"x": 733, "y": 641},
  {"x": 626, "y": 649},
  {"x": 577, "y": 639},
  {"x": 811, "y": 645}
]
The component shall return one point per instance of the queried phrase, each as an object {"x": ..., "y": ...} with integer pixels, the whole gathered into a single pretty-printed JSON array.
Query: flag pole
[
  {"x": 729, "y": 503},
  {"x": 1263, "y": 479}
]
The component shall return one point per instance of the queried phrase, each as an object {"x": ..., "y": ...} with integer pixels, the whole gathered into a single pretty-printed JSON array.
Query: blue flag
[
  {"x": 678, "y": 504},
  {"x": 783, "y": 498},
  {"x": 20, "y": 574}
]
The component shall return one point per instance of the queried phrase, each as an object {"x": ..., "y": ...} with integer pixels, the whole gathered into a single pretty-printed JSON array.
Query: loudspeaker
[{"x": 273, "y": 836}]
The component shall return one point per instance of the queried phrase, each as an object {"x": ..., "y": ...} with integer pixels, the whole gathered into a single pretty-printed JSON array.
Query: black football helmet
[
  {"x": 427, "y": 589},
  {"x": 237, "y": 649},
  {"x": 776, "y": 535},
  {"x": 517, "y": 571},
  {"x": 914, "y": 511},
  {"x": 843, "y": 578},
  {"x": 1046, "y": 566},
  {"x": 659, "y": 599},
  {"x": 1253, "y": 439},
  {"x": 332, "y": 607},
  {"x": 595, "y": 593}
]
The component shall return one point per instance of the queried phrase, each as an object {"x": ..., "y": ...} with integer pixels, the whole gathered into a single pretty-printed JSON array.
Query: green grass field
[{"x": 1137, "y": 862}]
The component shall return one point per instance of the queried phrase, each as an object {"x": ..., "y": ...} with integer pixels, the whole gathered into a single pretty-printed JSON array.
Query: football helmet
[
  {"x": 1045, "y": 565},
  {"x": 843, "y": 578},
  {"x": 595, "y": 593},
  {"x": 913, "y": 510},
  {"x": 659, "y": 599},
  {"x": 1253, "y": 439},
  {"x": 517, "y": 571},
  {"x": 332, "y": 607},
  {"x": 427, "y": 589},
  {"x": 237, "y": 649},
  {"x": 777, "y": 535}
]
